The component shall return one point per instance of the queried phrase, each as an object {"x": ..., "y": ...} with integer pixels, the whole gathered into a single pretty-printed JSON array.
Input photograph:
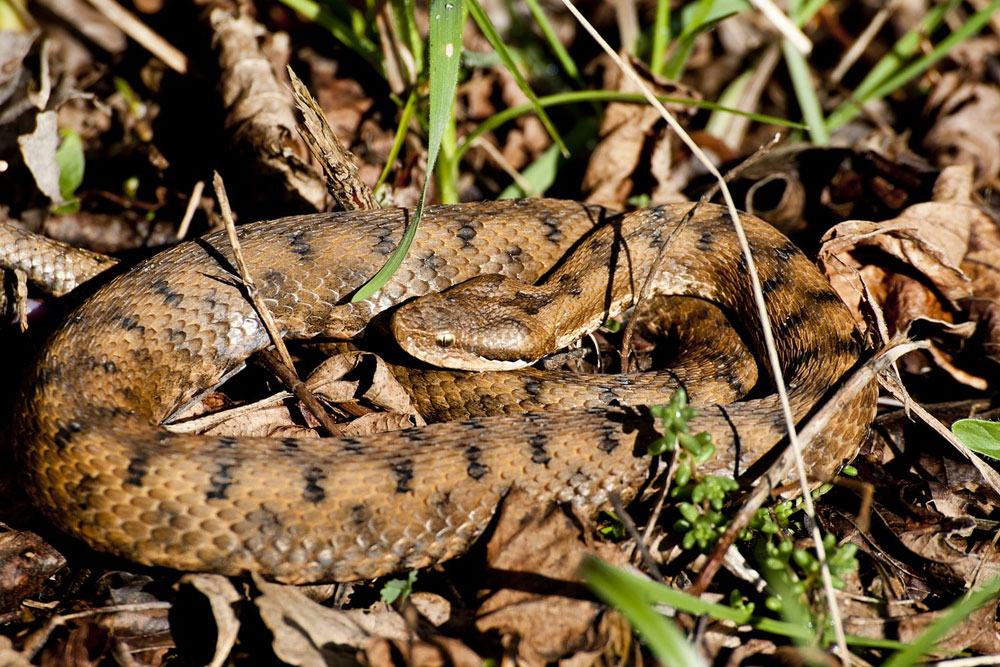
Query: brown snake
[{"x": 98, "y": 465}]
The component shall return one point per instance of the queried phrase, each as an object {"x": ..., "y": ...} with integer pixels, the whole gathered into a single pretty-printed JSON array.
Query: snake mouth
[{"x": 425, "y": 348}]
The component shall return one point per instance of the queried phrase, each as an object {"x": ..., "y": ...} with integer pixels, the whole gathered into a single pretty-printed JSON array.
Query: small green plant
[
  {"x": 796, "y": 572},
  {"x": 69, "y": 157},
  {"x": 399, "y": 589}
]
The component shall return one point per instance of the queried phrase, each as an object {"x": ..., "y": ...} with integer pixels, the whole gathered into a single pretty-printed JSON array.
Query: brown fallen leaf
[
  {"x": 908, "y": 268},
  {"x": 625, "y": 131},
  {"x": 966, "y": 129},
  {"x": 307, "y": 633},
  {"x": 221, "y": 595},
  {"x": 27, "y": 563},
  {"x": 539, "y": 605}
]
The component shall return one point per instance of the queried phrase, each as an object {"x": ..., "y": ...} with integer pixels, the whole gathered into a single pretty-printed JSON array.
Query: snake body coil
[{"x": 99, "y": 466}]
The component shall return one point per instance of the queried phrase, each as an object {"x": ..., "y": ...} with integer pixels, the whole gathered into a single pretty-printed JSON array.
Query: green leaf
[
  {"x": 446, "y": 19},
  {"x": 69, "y": 157},
  {"x": 980, "y": 436},
  {"x": 398, "y": 589}
]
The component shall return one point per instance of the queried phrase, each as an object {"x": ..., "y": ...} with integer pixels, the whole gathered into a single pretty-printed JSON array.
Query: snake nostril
[{"x": 446, "y": 339}]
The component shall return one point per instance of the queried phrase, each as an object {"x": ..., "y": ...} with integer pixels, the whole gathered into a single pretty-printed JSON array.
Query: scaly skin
[{"x": 99, "y": 466}]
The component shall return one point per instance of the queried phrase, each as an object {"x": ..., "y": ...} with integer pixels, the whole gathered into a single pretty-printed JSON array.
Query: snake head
[{"x": 486, "y": 323}]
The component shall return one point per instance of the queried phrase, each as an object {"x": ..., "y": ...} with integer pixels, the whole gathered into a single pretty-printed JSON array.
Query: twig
[
  {"x": 891, "y": 384},
  {"x": 192, "y": 206},
  {"x": 784, "y": 25},
  {"x": 291, "y": 380},
  {"x": 258, "y": 303},
  {"x": 633, "y": 532},
  {"x": 343, "y": 181},
  {"x": 860, "y": 45},
  {"x": 140, "y": 32}
]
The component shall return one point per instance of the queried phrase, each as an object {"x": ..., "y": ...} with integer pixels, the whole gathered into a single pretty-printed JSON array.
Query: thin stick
[
  {"x": 861, "y": 43},
  {"x": 633, "y": 532},
  {"x": 258, "y": 303},
  {"x": 784, "y": 25},
  {"x": 192, "y": 206},
  {"x": 140, "y": 32},
  {"x": 342, "y": 180}
]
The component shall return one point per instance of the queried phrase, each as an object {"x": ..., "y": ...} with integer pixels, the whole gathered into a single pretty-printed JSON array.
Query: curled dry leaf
[
  {"x": 383, "y": 390},
  {"x": 309, "y": 634},
  {"x": 967, "y": 130},
  {"x": 221, "y": 595},
  {"x": 929, "y": 240}
]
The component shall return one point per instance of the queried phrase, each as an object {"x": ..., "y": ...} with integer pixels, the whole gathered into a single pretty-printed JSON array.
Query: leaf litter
[{"x": 908, "y": 237}]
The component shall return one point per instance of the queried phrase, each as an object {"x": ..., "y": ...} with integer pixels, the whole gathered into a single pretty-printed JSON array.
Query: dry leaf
[
  {"x": 538, "y": 549},
  {"x": 431, "y": 606},
  {"x": 309, "y": 634},
  {"x": 625, "y": 130},
  {"x": 221, "y": 595},
  {"x": 28, "y": 562},
  {"x": 929, "y": 238},
  {"x": 966, "y": 130}
]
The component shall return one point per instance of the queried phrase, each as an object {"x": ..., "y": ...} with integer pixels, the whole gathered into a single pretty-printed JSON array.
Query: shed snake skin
[{"x": 97, "y": 463}]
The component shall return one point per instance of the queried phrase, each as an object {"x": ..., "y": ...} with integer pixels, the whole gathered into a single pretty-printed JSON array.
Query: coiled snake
[{"x": 98, "y": 465}]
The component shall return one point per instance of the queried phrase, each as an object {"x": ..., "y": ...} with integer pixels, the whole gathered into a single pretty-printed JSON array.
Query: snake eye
[{"x": 445, "y": 339}]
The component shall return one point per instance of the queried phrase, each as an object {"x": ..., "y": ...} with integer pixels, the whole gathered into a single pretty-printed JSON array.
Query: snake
[{"x": 97, "y": 462}]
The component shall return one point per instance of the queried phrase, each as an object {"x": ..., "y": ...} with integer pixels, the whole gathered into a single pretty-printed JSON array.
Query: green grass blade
[
  {"x": 402, "y": 14},
  {"x": 661, "y": 37},
  {"x": 565, "y": 60},
  {"x": 660, "y": 634},
  {"x": 340, "y": 30},
  {"x": 690, "y": 16},
  {"x": 446, "y": 18},
  {"x": 697, "y": 22},
  {"x": 807, "y": 11},
  {"x": 486, "y": 26},
  {"x": 805, "y": 93},
  {"x": 655, "y": 593},
  {"x": 973, "y": 25},
  {"x": 890, "y": 63},
  {"x": 399, "y": 138},
  {"x": 957, "y": 612},
  {"x": 578, "y": 96}
]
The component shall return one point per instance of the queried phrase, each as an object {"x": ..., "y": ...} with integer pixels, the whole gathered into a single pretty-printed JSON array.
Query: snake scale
[{"x": 97, "y": 463}]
